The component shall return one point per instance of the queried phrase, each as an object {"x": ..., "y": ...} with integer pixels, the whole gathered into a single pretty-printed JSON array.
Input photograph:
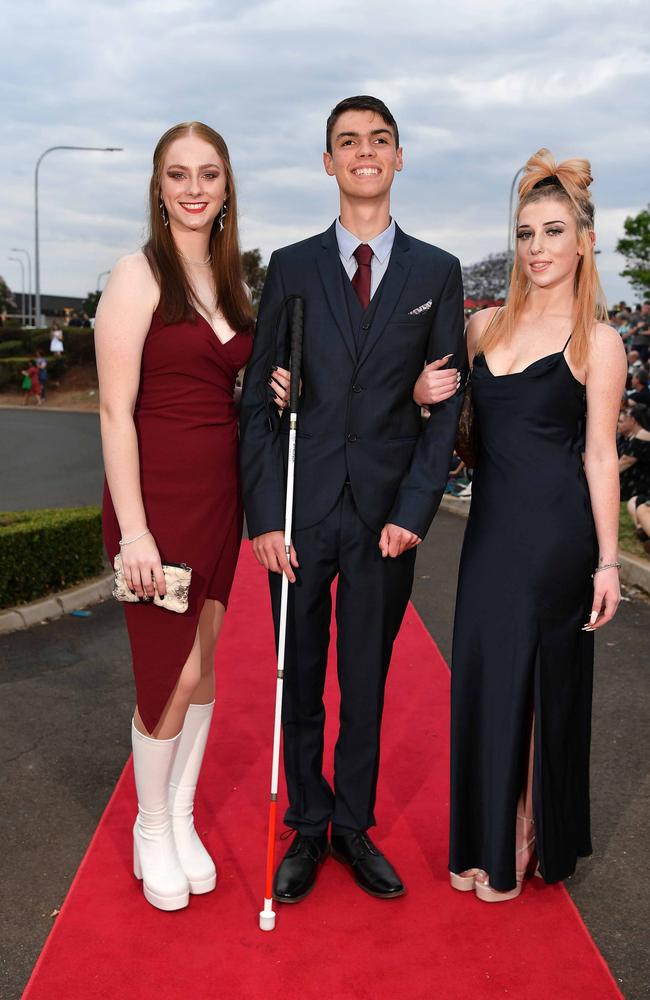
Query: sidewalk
[{"x": 55, "y": 605}]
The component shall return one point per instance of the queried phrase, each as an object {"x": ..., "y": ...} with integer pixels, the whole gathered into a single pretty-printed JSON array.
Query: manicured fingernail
[{"x": 592, "y": 617}]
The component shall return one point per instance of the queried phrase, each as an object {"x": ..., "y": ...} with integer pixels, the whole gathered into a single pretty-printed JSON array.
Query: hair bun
[{"x": 574, "y": 175}]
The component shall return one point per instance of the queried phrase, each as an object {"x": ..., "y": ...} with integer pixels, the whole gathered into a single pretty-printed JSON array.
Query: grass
[{"x": 627, "y": 540}]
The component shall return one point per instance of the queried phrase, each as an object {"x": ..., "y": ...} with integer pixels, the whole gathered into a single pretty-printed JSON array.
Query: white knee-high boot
[
  {"x": 155, "y": 858},
  {"x": 195, "y": 861}
]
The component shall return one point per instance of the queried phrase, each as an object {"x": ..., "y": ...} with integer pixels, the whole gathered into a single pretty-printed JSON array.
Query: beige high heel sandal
[
  {"x": 484, "y": 890},
  {"x": 466, "y": 880}
]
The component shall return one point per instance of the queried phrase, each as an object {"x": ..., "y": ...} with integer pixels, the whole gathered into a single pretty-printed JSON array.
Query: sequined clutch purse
[{"x": 177, "y": 579}]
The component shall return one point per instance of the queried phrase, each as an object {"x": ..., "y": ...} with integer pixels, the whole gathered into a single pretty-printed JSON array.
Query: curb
[
  {"x": 635, "y": 572},
  {"x": 57, "y": 605},
  {"x": 44, "y": 408}
]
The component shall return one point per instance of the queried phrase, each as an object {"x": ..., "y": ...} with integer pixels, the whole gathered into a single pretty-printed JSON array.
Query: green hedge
[
  {"x": 42, "y": 551},
  {"x": 10, "y": 369},
  {"x": 78, "y": 342},
  {"x": 11, "y": 348}
]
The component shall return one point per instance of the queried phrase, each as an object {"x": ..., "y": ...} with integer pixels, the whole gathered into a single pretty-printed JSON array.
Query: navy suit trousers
[{"x": 371, "y": 598}]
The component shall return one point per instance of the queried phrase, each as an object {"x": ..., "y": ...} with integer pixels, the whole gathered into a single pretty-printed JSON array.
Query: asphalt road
[
  {"x": 49, "y": 459},
  {"x": 65, "y": 709}
]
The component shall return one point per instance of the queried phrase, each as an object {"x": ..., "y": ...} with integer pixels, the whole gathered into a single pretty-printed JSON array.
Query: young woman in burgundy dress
[
  {"x": 173, "y": 329},
  {"x": 539, "y": 569}
]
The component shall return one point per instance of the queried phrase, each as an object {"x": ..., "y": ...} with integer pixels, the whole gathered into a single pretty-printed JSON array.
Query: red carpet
[{"x": 339, "y": 943}]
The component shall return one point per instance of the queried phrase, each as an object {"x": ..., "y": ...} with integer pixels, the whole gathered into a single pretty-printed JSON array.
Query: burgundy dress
[{"x": 186, "y": 424}]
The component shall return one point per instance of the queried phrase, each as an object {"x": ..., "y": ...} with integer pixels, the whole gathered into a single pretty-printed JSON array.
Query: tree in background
[
  {"x": 90, "y": 303},
  {"x": 635, "y": 247},
  {"x": 7, "y": 300},
  {"x": 254, "y": 274},
  {"x": 487, "y": 279}
]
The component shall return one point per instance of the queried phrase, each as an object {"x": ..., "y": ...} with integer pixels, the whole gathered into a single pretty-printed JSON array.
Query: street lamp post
[
  {"x": 102, "y": 274},
  {"x": 510, "y": 250},
  {"x": 22, "y": 277},
  {"x": 37, "y": 272},
  {"x": 30, "y": 302}
]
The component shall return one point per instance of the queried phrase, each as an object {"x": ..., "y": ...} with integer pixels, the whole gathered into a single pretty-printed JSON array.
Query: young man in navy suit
[{"x": 369, "y": 477}]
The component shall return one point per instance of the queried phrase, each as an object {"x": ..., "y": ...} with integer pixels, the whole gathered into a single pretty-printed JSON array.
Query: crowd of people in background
[{"x": 633, "y": 324}]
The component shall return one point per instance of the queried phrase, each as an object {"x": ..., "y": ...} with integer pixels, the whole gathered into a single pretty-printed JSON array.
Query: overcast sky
[{"x": 476, "y": 87}]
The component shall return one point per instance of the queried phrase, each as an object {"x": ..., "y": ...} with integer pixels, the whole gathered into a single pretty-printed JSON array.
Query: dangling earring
[
  {"x": 222, "y": 214},
  {"x": 163, "y": 211}
]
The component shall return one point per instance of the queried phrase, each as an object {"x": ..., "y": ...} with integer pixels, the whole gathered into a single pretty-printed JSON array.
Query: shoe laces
[
  {"x": 302, "y": 845},
  {"x": 363, "y": 841}
]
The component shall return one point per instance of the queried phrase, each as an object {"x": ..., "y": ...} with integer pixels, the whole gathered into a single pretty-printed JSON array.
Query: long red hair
[
  {"x": 177, "y": 299},
  {"x": 573, "y": 180}
]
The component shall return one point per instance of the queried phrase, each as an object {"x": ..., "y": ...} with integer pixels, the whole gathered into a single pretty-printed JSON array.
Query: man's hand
[
  {"x": 269, "y": 551},
  {"x": 395, "y": 540}
]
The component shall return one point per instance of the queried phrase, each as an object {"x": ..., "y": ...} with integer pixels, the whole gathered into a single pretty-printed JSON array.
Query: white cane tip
[{"x": 267, "y": 920}]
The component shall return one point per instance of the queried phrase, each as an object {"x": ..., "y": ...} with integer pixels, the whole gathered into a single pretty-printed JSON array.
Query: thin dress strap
[{"x": 567, "y": 343}]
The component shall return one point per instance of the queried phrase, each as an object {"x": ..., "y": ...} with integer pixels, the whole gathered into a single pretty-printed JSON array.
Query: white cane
[{"x": 267, "y": 915}]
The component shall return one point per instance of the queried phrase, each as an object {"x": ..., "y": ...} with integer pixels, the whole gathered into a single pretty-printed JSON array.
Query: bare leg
[
  {"x": 631, "y": 509},
  {"x": 209, "y": 627},
  {"x": 525, "y": 839},
  {"x": 643, "y": 518},
  {"x": 196, "y": 681}
]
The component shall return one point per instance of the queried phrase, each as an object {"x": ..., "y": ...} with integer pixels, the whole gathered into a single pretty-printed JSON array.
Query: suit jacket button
[
  {"x": 352, "y": 438},
  {"x": 365, "y": 326},
  {"x": 356, "y": 388}
]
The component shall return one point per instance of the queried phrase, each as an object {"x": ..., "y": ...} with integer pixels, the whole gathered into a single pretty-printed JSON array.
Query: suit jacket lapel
[
  {"x": 329, "y": 266},
  {"x": 391, "y": 289}
]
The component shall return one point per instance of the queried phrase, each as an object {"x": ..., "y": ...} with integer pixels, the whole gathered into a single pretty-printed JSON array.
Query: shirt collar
[{"x": 381, "y": 245}]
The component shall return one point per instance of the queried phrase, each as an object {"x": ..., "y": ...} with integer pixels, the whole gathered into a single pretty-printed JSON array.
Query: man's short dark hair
[
  {"x": 363, "y": 103},
  {"x": 641, "y": 376}
]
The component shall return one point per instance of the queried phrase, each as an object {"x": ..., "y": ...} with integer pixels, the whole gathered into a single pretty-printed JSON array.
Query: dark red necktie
[{"x": 361, "y": 278}]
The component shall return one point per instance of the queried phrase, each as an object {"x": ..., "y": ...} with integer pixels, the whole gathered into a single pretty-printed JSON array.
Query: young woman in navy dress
[
  {"x": 173, "y": 329},
  {"x": 539, "y": 568}
]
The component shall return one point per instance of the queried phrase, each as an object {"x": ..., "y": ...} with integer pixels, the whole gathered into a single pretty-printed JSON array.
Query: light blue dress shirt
[{"x": 381, "y": 247}]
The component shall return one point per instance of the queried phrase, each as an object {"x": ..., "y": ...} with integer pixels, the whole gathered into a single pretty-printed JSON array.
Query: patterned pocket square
[{"x": 421, "y": 309}]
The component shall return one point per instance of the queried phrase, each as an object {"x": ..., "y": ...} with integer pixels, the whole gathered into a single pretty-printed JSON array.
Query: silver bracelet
[
  {"x": 127, "y": 541},
  {"x": 615, "y": 565}
]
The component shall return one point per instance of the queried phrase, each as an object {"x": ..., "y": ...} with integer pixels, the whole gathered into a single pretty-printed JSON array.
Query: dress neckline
[
  {"x": 545, "y": 357},
  {"x": 214, "y": 332}
]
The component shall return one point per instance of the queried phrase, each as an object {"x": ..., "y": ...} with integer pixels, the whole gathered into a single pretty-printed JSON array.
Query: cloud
[{"x": 476, "y": 88}]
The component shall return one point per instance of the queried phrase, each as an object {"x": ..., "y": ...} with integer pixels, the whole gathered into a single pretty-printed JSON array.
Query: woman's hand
[
  {"x": 142, "y": 567},
  {"x": 607, "y": 597},
  {"x": 436, "y": 383},
  {"x": 280, "y": 383}
]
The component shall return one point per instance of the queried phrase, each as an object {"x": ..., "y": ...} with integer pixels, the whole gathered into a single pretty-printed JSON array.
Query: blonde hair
[{"x": 569, "y": 182}]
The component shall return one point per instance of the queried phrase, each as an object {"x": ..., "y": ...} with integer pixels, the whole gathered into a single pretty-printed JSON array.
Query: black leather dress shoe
[
  {"x": 372, "y": 871},
  {"x": 297, "y": 871}
]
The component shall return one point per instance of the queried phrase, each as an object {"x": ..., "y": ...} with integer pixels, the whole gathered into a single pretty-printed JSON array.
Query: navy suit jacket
[{"x": 356, "y": 416}]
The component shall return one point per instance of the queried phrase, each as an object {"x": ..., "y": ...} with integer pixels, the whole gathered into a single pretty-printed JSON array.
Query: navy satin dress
[{"x": 525, "y": 590}]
